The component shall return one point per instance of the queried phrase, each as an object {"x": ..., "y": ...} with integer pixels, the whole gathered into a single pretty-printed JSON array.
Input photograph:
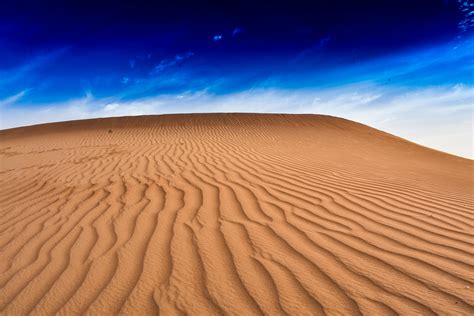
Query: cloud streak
[
  {"x": 12, "y": 99},
  {"x": 27, "y": 68},
  {"x": 467, "y": 9},
  {"x": 170, "y": 62}
]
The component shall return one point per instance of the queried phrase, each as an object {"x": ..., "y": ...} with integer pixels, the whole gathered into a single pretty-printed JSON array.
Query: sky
[{"x": 405, "y": 66}]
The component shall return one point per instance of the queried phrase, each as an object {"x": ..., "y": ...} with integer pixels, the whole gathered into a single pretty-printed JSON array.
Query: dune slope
[{"x": 245, "y": 214}]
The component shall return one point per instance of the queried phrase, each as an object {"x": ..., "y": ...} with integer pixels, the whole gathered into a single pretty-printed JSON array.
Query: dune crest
[{"x": 248, "y": 214}]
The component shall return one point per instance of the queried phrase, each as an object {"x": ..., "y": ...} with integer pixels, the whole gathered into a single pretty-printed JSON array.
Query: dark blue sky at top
[{"x": 58, "y": 50}]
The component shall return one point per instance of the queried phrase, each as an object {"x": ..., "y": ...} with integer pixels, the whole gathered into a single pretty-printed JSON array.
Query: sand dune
[{"x": 234, "y": 214}]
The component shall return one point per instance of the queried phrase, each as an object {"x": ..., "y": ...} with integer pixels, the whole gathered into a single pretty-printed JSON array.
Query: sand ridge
[{"x": 240, "y": 214}]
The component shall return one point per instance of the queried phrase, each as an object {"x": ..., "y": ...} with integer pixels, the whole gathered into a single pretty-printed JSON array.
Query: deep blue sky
[{"x": 88, "y": 55}]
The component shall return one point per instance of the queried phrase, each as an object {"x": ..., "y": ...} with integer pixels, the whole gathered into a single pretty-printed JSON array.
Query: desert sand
[{"x": 239, "y": 214}]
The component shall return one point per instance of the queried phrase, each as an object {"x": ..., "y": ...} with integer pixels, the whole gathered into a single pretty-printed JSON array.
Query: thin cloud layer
[{"x": 170, "y": 62}]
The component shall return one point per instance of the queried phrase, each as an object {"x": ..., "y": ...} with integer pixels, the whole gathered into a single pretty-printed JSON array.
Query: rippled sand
[{"x": 246, "y": 214}]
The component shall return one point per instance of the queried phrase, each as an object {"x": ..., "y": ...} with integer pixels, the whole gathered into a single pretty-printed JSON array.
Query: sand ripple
[{"x": 231, "y": 214}]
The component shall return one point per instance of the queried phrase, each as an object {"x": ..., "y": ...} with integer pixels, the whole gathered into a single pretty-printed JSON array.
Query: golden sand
[{"x": 238, "y": 214}]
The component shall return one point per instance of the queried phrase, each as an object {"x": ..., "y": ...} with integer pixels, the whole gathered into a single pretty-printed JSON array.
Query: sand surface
[{"x": 234, "y": 214}]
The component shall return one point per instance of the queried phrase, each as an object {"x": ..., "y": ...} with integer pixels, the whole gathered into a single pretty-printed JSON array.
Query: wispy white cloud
[
  {"x": 440, "y": 118},
  {"x": 170, "y": 62},
  {"x": 467, "y": 9},
  {"x": 27, "y": 68},
  {"x": 217, "y": 37},
  {"x": 13, "y": 99},
  {"x": 236, "y": 31}
]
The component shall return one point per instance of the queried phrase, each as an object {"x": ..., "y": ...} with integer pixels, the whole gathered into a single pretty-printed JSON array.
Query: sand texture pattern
[{"x": 231, "y": 214}]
